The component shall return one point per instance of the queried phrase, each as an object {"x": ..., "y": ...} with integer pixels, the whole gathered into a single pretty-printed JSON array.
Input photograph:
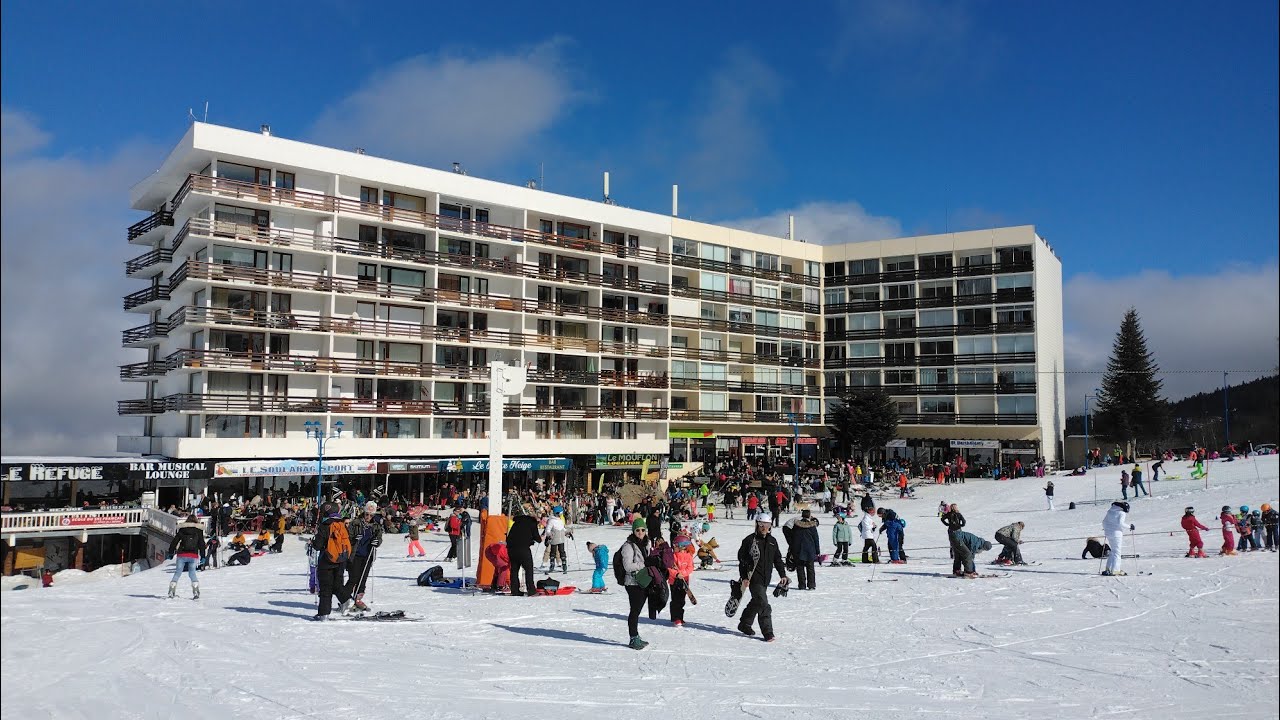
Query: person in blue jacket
[
  {"x": 600, "y": 554},
  {"x": 967, "y": 546}
]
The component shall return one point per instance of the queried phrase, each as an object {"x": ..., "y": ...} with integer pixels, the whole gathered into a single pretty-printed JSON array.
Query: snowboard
[
  {"x": 562, "y": 590},
  {"x": 735, "y": 598}
]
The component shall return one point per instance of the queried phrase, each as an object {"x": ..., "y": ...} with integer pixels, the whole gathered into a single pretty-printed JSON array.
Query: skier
[
  {"x": 332, "y": 544},
  {"x": 890, "y": 521},
  {"x": 1048, "y": 494},
  {"x": 1255, "y": 523},
  {"x": 522, "y": 536},
  {"x": 1113, "y": 526},
  {"x": 1193, "y": 527},
  {"x": 867, "y": 530},
  {"x": 600, "y": 554},
  {"x": 1136, "y": 481},
  {"x": 841, "y": 537},
  {"x": 758, "y": 558},
  {"x": 414, "y": 543},
  {"x": 632, "y": 557},
  {"x": 556, "y": 534},
  {"x": 660, "y": 560},
  {"x": 954, "y": 522},
  {"x": 454, "y": 528},
  {"x": 211, "y": 552},
  {"x": 806, "y": 549},
  {"x": 185, "y": 548},
  {"x": 967, "y": 547},
  {"x": 1124, "y": 484},
  {"x": 681, "y": 573},
  {"x": 1228, "y": 524},
  {"x": 1270, "y": 518},
  {"x": 1010, "y": 537},
  {"x": 366, "y": 537}
]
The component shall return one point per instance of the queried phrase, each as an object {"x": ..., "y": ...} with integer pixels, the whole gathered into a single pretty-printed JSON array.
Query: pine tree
[
  {"x": 863, "y": 419},
  {"x": 1130, "y": 408}
]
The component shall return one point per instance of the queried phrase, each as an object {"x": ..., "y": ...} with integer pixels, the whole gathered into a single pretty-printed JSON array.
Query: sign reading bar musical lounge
[{"x": 261, "y": 468}]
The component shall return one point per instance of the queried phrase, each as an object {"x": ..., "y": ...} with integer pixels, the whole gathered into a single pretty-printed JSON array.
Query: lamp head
[{"x": 337, "y": 428}]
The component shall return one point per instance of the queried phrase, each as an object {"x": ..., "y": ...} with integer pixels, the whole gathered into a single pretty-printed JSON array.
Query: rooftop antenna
[{"x": 206, "y": 111}]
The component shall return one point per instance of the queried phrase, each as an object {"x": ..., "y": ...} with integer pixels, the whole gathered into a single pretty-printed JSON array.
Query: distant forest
[{"x": 1255, "y": 416}]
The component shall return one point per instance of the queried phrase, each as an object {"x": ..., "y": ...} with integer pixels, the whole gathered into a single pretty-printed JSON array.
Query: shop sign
[
  {"x": 170, "y": 471},
  {"x": 674, "y": 433},
  {"x": 261, "y": 468},
  {"x": 624, "y": 460},
  {"x": 1019, "y": 451},
  {"x": 85, "y": 520},
  {"x": 422, "y": 466},
  {"x": 807, "y": 441},
  {"x": 984, "y": 444},
  {"x": 64, "y": 472},
  {"x": 755, "y": 441},
  {"x": 896, "y": 443},
  {"x": 781, "y": 441},
  {"x": 508, "y": 465}
]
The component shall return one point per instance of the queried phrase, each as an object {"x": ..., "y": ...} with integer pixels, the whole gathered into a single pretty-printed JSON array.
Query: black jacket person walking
[{"x": 758, "y": 557}]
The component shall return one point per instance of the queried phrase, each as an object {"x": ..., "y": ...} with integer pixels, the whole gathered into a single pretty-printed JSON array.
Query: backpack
[
  {"x": 618, "y": 573},
  {"x": 338, "y": 549},
  {"x": 431, "y": 575},
  {"x": 549, "y": 585}
]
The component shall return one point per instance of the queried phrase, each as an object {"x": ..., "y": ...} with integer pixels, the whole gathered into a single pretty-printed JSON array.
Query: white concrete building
[{"x": 288, "y": 282}]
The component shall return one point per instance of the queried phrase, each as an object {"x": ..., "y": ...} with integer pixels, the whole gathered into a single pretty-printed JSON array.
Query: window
[
  {"x": 739, "y": 286},
  {"x": 1016, "y": 405},
  {"x": 739, "y": 315},
  {"x": 936, "y": 376},
  {"x": 765, "y": 261},
  {"x": 679, "y": 403},
  {"x": 684, "y": 369},
  {"x": 936, "y": 290},
  {"x": 398, "y": 427},
  {"x": 975, "y": 259},
  {"x": 1014, "y": 255},
  {"x": 766, "y": 404},
  {"x": 404, "y": 241},
  {"x": 864, "y": 378},
  {"x": 573, "y": 230},
  {"x": 684, "y": 248},
  {"x": 738, "y": 256},
  {"x": 935, "y": 347},
  {"x": 716, "y": 402},
  {"x": 973, "y": 317},
  {"x": 833, "y": 352},
  {"x": 622, "y": 431},
  {"x": 714, "y": 282},
  {"x": 974, "y": 376},
  {"x": 403, "y": 201},
  {"x": 899, "y": 321},
  {"x": 362, "y": 427},
  {"x": 1014, "y": 315},
  {"x": 833, "y": 269},
  {"x": 1016, "y": 375},
  {"x": 713, "y": 372},
  {"x": 282, "y": 262},
  {"x": 285, "y": 181},
  {"x": 899, "y": 264},
  {"x": 974, "y": 346},
  {"x": 935, "y": 263},
  {"x": 239, "y": 218},
  {"x": 768, "y": 318},
  {"x": 244, "y": 173},
  {"x": 457, "y": 212},
  {"x": 276, "y": 426},
  {"x": 812, "y": 268},
  {"x": 834, "y": 326},
  {"x": 232, "y": 426},
  {"x": 1013, "y": 282},
  {"x": 766, "y": 349},
  {"x": 368, "y": 195},
  {"x": 711, "y": 344},
  {"x": 402, "y": 276},
  {"x": 240, "y": 257},
  {"x": 899, "y": 353},
  {"x": 1015, "y": 344},
  {"x": 973, "y": 286},
  {"x": 936, "y": 318},
  {"x": 937, "y": 405},
  {"x": 864, "y": 350},
  {"x": 865, "y": 294},
  {"x": 864, "y": 267},
  {"x": 864, "y": 321},
  {"x": 900, "y": 377}
]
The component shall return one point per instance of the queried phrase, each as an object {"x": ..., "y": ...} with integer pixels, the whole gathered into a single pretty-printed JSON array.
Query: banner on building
[
  {"x": 89, "y": 520},
  {"x": 170, "y": 470},
  {"x": 807, "y": 441},
  {"x": 896, "y": 443},
  {"x": 261, "y": 468},
  {"x": 685, "y": 433},
  {"x": 984, "y": 444},
  {"x": 65, "y": 472},
  {"x": 508, "y": 465},
  {"x": 624, "y": 460},
  {"x": 417, "y": 466},
  {"x": 755, "y": 441}
]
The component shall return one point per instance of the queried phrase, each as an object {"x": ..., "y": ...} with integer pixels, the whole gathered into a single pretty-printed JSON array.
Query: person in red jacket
[
  {"x": 497, "y": 554},
  {"x": 753, "y": 506},
  {"x": 1193, "y": 528},
  {"x": 1228, "y": 539}
]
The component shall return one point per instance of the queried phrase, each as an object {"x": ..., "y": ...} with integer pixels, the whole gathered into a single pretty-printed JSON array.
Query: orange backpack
[{"x": 338, "y": 549}]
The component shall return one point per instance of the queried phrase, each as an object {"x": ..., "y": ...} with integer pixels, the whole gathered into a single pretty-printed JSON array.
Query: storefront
[
  {"x": 517, "y": 473},
  {"x": 623, "y": 468},
  {"x": 59, "y": 483},
  {"x": 175, "y": 483},
  {"x": 249, "y": 478}
]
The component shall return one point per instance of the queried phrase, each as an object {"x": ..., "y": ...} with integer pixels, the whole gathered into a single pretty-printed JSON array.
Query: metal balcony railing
[{"x": 159, "y": 218}]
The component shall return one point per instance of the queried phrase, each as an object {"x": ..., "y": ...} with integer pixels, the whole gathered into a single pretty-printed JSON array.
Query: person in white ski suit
[
  {"x": 1113, "y": 527},
  {"x": 867, "y": 528},
  {"x": 556, "y": 533}
]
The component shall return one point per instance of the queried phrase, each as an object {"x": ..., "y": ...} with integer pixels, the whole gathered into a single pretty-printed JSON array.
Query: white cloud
[
  {"x": 62, "y": 227},
  {"x": 1222, "y": 320},
  {"x": 910, "y": 42},
  {"x": 441, "y": 109},
  {"x": 825, "y": 223}
]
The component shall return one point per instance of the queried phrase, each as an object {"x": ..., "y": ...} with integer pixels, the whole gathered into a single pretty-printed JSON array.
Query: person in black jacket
[
  {"x": 522, "y": 536},
  {"x": 805, "y": 549},
  {"x": 366, "y": 538},
  {"x": 758, "y": 557},
  {"x": 329, "y": 570},
  {"x": 186, "y": 547},
  {"x": 955, "y": 523}
]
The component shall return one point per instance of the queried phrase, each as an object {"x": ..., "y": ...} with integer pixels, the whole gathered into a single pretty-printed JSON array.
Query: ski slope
[{"x": 1193, "y": 639}]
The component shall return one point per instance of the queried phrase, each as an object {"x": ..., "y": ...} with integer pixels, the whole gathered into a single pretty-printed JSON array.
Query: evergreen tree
[
  {"x": 863, "y": 419},
  {"x": 1130, "y": 408}
]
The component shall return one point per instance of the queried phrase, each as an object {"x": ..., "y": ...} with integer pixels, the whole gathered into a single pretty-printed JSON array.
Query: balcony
[
  {"x": 319, "y": 202},
  {"x": 743, "y": 328},
  {"x": 152, "y": 331},
  {"x": 142, "y": 262},
  {"x": 750, "y": 416},
  {"x": 140, "y": 407},
  {"x": 738, "y": 386},
  {"x": 585, "y": 412},
  {"x": 1016, "y": 295},
  {"x": 741, "y": 299},
  {"x": 615, "y": 378},
  {"x": 144, "y": 297},
  {"x": 932, "y": 331},
  {"x": 744, "y": 270},
  {"x": 144, "y": 370},
  {"x": 897, "y": 276},
  {"x": 955, "y": 419},
  {"x": 1000, "y": 388},
  {"x": 157, "y": 219},
  {"x": 930, "y": 360}
]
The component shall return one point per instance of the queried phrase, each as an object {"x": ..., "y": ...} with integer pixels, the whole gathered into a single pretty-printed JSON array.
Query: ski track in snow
[{"x": 1196, "y": 638}]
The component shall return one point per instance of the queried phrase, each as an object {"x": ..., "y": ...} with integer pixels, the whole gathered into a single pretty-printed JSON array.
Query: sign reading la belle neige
[{"x": 508, "y": 465}]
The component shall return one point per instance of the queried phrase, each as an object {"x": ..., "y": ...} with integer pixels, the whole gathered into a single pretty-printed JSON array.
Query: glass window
[
  {"x": 765, "y": 261},
  {"x": 403, "y": 201},
  {"x": 715, "y": 253},
  {"x": 936, "y": 318},
  {"x": 864, "y": 267},
  {"x": 768, "y": 318},
  {"x": 712, "y": 401},
  {"x": 713, "y": 372},
  {"x": 833, "y": 269},
  {"x": 240, "y": 257},
  {"x": 401, "y": 276},
  {"x": 975, "y": 375},
  {"x": 864, "y": 294},
  {"x": 936, "y": 262},
  {"x": 864, "y": 350},
  {"x": 900, "y": 377},
  {"x": 941, "y": 289},
  {"x": 1016, "y": 404},
  {"x": 937, "y": 405},
  {"x": 684, "y": 248},
  {"x": 1014, "y": 255},
  {"x": 285, "y": 180},
  {"x": 738, "y": 256},
  {"x": 899, "y": 264},
  {"x": 974, "y": 259},
  {"x": 1013, "y": 315},
  {"x": 713, "y": 282},
  {"x": 973, "y": 346},
  {"x": 935, "y": 347},
  {"x": 739, "y": 286},
  {"x": 973, "y": 286},
  {"x": 235, "y": 171},
  {"x": 864, "y": 321},
  {"x": 767, "y": 291},
  {"x": 233, "y": 426},
  {"x": 1015, "y": 344},
  {"x": 936, "y": 376},
  {"x": 1012, "y": 282},
  {"x": 864, "y": 378}
]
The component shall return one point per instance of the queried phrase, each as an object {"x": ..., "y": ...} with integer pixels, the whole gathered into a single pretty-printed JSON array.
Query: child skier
[
  {"x": 681, "y": 573},
  {"x": 600, "y": 554},
  {"x": 841, "y": 536},
  {"x": 1193, "y": 528},
  {"x": 1228, "y": 539}
]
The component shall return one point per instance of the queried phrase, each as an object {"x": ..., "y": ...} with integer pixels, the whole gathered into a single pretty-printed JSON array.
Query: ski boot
[
  {"x": 1201, "y": 554},
  {"x": 345, "y": 608},
  {"x": 195, "y": 591},
  {"x": 637, "y": 644},
  {"x": 173, "y": 589},
  {"x": 358, "y": 603}
]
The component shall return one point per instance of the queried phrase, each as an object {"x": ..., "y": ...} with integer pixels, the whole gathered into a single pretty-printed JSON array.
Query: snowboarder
[
  {"x": 632, "y": 558},
  {"x": 1113, "y": 527},
  {"x": 332, "y": 544},
  {"x": 758, "y": 558},
  {"x": 867, "y": 530},
  {"x": 366, "y": 537},
  {"x": 1010, "y": 537},
  {"x": 521, "y": 538},
  {"x": 600, "y": 555},
  {"x": 1048, "y": 494},
  {"x": 185, "y": 548},
  {"x": 1193, "y": 527},
  {"x": 841, "y": 537},
  {"x": 1228, "y": 524}
]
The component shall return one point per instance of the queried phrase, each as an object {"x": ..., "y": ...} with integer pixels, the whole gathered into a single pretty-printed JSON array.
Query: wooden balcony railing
[
  {"x": 745, "y": 416},
  {"x": 966, "y": 419},
  {"x": 275, "y": 404},
  {"x": 896, "y": 276},
  {"x": 308, "y": 200},
  {"x": 741, "y": 299},
  {"x": 147, "y": 295},
  {"x": 739, "y": 386},
  {"x": 933, "y": 331},
  {"x": 159, "y": 218},
  {"x": 745, "y": 270},
  {"x": 743, "y": 328}
]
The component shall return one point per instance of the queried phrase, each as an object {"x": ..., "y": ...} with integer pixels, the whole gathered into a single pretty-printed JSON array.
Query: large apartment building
[{"x": 287, "y": 283}]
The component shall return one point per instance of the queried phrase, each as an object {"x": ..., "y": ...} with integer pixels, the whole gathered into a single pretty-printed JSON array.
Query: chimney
[
  {"x": 266, "y": 130},
  {"x": 606, "y": 186},
  {"x": 675, "y": 201},
  {"x": 359, "y": 151},
  {"x": 791, "y": 227}
]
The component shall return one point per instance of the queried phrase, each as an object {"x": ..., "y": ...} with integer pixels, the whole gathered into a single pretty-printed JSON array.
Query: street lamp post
[
  {"x": 795, "y": 450},
  {"x": 315, "y": 429},
  {"x": 1088, "y": 458}
]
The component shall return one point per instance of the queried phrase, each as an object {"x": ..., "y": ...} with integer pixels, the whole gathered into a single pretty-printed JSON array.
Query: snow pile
[{"x": 1191, "y": 639}]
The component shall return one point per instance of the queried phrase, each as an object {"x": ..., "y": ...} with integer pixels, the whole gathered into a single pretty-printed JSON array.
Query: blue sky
[{"x": 1140, "y": 138}]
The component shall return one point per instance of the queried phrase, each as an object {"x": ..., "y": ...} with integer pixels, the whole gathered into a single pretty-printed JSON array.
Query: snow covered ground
[{"x": 1195, "y": 638}]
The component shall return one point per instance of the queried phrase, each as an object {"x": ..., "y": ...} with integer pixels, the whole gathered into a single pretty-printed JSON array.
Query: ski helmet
[
  {"x": 1244, "y": 509},
  {"x": 1226, "y": 508},
  {"x": 1190, "y": 510},
  {"x": 328, "y": 510}
]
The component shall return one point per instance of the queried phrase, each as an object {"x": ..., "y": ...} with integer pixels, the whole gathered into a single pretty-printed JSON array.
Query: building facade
[{"x": 288, "y": 283}]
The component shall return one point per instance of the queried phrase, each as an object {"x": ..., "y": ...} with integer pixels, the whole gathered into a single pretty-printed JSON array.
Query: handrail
[
  {"x": 758, "y": 416},
  {"x": 748, "y": 270},
  {"x": 308, "y": 200},
  {"x": 743, "y": 299},
  {"x": 42, "y": 521},
  {"x": 743, "y": 328},
  {"x": 737, "y": 386},
  {"x": 147, "y": 259},
  {"x": 196, "y": 402},
  {"x": 931, "y": 331},
  {"x": 939, "y": 360},
  {"x": 146, "y": 295},
  {"x": 893, "y": 276},
  {"x": 156, "y": 219},
  {"x": 923, "y": 303},
  {"x": 966, "y": 419}
]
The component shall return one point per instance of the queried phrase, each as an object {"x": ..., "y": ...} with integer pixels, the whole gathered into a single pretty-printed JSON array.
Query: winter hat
[
  {"x": 557, "y": 510},
  {"x": 639, "y": 524},
  {"x": 1265, "y": 507},
  {"x": 706, "y": 527}
]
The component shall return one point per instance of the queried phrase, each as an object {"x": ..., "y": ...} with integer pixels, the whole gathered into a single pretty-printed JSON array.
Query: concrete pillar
[{"x": 77, "y": 553}]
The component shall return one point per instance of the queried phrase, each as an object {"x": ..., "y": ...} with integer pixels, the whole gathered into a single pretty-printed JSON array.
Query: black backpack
[
  {"x": 618, "y": 573},
  {"x": 433, "y": 574}
]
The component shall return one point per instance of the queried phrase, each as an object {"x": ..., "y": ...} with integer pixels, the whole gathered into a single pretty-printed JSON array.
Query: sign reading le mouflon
[{"x": 170, "y": 471}]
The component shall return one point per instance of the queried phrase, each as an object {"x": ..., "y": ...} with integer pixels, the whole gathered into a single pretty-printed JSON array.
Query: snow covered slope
[{"x": 1195, "y": 638}]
